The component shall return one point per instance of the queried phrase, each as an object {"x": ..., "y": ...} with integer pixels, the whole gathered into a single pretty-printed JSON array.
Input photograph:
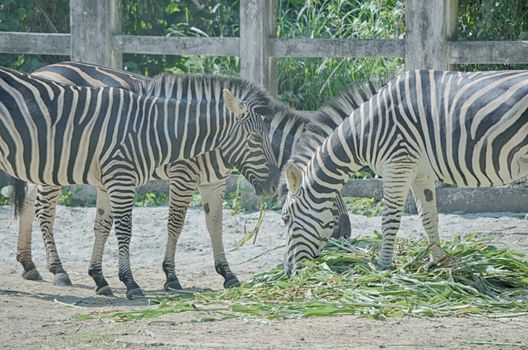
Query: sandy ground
[{"x": 33, "y": 315}]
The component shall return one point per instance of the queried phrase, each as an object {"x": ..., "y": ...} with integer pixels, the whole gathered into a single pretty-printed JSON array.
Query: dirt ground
[{"x": 35, "y": 315}]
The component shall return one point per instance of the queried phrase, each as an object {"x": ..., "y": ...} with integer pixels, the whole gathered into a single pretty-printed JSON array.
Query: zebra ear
[
  {"x": 233, "y": 104},
  {"x": 293, "y": 178}
]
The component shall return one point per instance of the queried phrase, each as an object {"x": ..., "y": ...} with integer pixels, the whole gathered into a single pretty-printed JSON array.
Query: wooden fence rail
[{"x": 429, "y": 43}]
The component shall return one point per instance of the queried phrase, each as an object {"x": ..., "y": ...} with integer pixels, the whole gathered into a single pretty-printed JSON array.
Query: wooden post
[
  {"x": 92, "y": 23},
  {"x": 257, "y": 26},
  {"x": 429, "y": 26}
]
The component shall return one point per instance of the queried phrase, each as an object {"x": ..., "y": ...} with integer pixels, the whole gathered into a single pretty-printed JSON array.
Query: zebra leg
[
  {"x": 343, "y": 228},
  {"x": 122, "y": 200},
  {"x": 213, "y": 199},
  {"x": 397, "y": 180},
  {"x": 25, "y": 224},
  {"x": 425, "y": 195},
  {"x": 45, "y": 210},
  {"x": 102, "y": 227},
  {"x": 181, "y": 193}
]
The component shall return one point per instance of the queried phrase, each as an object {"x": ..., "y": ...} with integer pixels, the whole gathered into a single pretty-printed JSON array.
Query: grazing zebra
[
  {"x": 465, "y": 129},
  {"x": 115, "y": 139},
  {"x": 288, "y": 129}
]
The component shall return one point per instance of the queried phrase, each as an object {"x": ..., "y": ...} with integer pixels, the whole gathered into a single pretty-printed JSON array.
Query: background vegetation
[{"x": 303, "y": 83}]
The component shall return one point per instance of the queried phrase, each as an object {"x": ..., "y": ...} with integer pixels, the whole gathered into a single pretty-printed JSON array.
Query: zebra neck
[{"x": 334, "y": 162}]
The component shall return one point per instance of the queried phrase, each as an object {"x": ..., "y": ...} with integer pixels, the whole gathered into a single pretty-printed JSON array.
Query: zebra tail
[{"x": 18, "y": 195}]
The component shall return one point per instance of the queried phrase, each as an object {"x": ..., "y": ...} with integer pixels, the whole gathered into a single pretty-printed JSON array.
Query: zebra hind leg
[
  {"x": 425, "y": 195},
  {"x": 397, "y": 178},
  {"x": 25, "y": 224},
  {"x": 213, "y": 199},
  {"x": 102, "y": 227},
  {"x": 45, "y": 209}
]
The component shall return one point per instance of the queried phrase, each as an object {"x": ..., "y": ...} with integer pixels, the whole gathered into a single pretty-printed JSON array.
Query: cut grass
[{"x": 476, "y": 279}]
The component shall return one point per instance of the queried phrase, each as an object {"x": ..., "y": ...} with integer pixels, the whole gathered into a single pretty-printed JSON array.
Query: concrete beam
[
  {"x": 35, "y": 43},
  {"x": 449, "y": 199},
  {"x": 488, "y": 52},
  {"x": 167, "y": 45},
  {"x": 337, "y": 48}
]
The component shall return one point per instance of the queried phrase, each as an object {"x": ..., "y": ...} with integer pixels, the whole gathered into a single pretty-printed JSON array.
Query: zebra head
[
  {"x": 250, "y": 150},
  {"x": 309, "y": 220}
]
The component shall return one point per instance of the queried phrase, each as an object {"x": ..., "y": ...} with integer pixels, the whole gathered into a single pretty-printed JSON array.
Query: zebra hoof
[
  {"x": 62, "y": 279},
  {"x": 134, "y": 293},
  {"x": 32, "y": 275},
  {"x": 231, "y": 283},
  {"x": 105, "y": 290},
  {"x": 172, "y": 285}
]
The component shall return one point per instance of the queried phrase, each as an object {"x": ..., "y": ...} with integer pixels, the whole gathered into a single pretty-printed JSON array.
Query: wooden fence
[{"x": 430, "y": 41}]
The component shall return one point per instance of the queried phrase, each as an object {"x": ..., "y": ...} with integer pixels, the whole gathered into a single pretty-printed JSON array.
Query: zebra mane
[
  {"x": 325, "y": 120},
  {"x": 167, "y": 85}
]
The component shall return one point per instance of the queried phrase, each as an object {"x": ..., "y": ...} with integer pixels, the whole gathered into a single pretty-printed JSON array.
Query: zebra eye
[{"x": 286, "y": 218}]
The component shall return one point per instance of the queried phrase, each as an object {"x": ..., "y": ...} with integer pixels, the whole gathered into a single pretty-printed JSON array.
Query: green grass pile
[{"x": 476, "y": 279}]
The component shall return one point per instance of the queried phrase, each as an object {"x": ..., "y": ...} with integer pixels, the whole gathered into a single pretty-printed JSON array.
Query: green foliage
[
  {"x": 66, "y": 198},
  {"x": 476, "y": 278},
  {"x": 303, "y": 83},
  {"x": 5, "y": 195},
  {"x": 307, "y": 83},
  {"x": 150, "y": 199},
  {"x": 364, "y": 206},
  {"x": 492, "y": 20},
  {"x": 196, "y": 199},
  {"x": 33, "y": 16},
  {"x": 181, "y": 18}
]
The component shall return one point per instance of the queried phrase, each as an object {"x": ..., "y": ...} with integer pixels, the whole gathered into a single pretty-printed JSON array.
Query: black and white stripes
[
  {"x": 466, "y": 129},
  {"x": 54, "y": 134}
]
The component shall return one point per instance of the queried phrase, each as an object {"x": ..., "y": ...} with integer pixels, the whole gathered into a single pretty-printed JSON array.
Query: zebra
[
  {"x": 464, "y": 129},
  {"x": 208, "y": 170},
  {"x": 287, "y": 130},
  {"x": 115, "y": 139}
]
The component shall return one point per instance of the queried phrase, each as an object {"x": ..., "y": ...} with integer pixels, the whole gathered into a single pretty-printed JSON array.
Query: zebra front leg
[
  {"x": 397, "y": 180},
  {"x": 122, "y": 200},
  {"x": 213, "y": 200},
  {"x": 25, "y": 225},
  {"x": 45, "y": 209},
  {"x": 425, "y": 195},
  {"x": 182, "y": 186},
  {"x": 102, "y": 227}
]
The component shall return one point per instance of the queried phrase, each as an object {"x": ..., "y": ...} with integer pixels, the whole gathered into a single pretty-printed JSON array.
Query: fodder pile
[{"x": 475, "y": 279}]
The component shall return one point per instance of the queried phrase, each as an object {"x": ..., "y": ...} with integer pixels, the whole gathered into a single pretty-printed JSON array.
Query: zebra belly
[
  {"x": 486, "y": 168},
  {"x": 52, "y": 157},
  {"x": 208, "y": 168}
]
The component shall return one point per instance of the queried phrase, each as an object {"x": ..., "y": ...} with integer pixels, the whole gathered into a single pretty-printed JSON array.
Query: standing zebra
[
  {"x": 209, "y": 171},
  {"x": 115, "y": 139},
  {"x": 465, "y": 129},
  {"x": 289, "y": 130}
]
